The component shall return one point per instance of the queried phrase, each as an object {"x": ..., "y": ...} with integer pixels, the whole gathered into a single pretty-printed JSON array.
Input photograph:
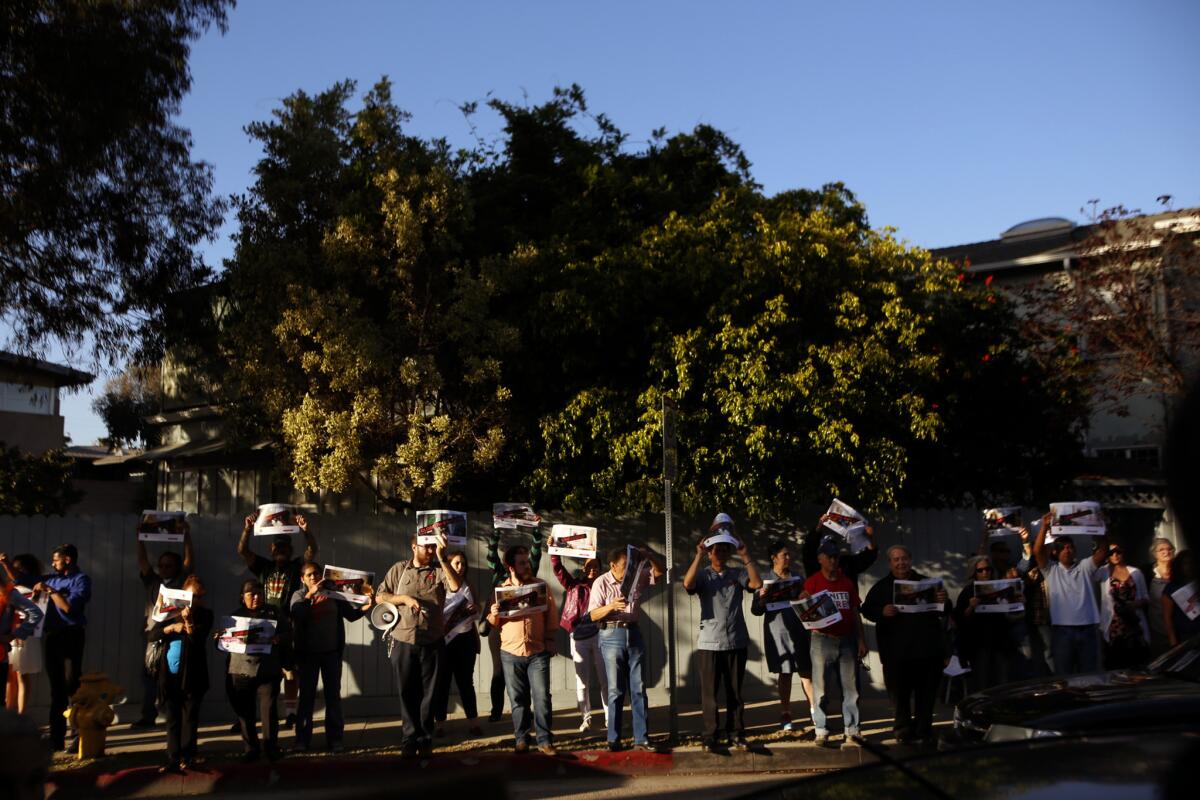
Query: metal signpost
[{"x": 670, "y": 470}]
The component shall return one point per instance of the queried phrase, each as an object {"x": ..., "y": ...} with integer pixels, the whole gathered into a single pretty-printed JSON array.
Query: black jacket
[
  {"x": 904, "y": 637},
  {"x": 301, "y": 607},
  {"x": 194, "y": 667}
]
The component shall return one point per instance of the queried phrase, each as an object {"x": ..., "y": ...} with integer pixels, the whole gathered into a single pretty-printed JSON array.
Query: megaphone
[{"x": 384, "y": 616}]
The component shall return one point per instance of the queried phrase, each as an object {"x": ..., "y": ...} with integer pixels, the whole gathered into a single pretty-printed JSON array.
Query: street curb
[{"x": 493, "y": 769}]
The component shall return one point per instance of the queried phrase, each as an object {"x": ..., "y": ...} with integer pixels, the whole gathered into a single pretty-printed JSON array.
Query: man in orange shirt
[{"x": 527, "y": 631}]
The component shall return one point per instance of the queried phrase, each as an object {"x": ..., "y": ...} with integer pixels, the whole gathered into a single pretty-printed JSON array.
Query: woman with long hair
[
  {"x": 985, "y": 640},
  {"x": 584, "y": 638},
  {"x": 461, "y": 614},
  {"x": 1123, "y": 602},
  {"x": 182, "y": 673},
  {"x": 25, "y": 658},
  {"x": 786, "y": 639}
]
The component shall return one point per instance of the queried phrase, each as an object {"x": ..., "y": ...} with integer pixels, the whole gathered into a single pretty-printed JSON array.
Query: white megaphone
[{"x": 384, "y": 616}]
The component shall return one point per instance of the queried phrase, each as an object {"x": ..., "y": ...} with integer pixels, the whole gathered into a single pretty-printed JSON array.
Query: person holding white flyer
[
  {"x": 181, "y": 672},
  {"x": 462, "y": 648},
  {"x": 171, "y": 571},
  {"x": 19, "y": 618},
  {"x": 985, "y": 640},
  {"x": 724, "y": 641},
  {"x": 254, "y": 674},
  {"x": 1074, "y": 617},
  {"x": 319, "y": 639},
  {"x": 787, "y": 640},
  {"x": 912, "y": 645},
  {"x": 25, "y": 656},
  {"x": 585, "y": 641}
]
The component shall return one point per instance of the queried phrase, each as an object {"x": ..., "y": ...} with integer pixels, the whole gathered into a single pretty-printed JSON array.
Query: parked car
[
  {"x": 1128, "y": 767},
  {"x": 1165, "y": 695}
]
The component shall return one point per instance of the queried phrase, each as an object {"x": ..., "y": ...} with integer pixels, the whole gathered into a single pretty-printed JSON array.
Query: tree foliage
[
  {"x": 128, "y": 399},
  {"x": 35, "y": 484},
  {"x": 504, "y": 320},
  {"x": 100, "y": 203}
]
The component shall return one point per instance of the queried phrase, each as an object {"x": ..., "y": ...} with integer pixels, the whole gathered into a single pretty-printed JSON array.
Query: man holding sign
[
  {"x": 912, "y": 648},
  {"x": 1074, "y": 617},
  {"x": 621, "y": 643},
  {"x": 723, "y": 641}
]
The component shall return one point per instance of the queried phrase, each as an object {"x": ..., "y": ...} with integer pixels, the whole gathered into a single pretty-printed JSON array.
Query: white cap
[
  {"x": 721, "y": 519},
  {"x": 722, "y": 538}
]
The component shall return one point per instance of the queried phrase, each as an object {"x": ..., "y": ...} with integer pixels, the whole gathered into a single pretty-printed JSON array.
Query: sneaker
[
  {"x": 548, "y": 750},
  {"x": 821, "y": 739},
  {"x": 849, "y": 744},
  {"x": 521, "y": 746},
  {"x": 785, "y": 722},
  {"x": 711, "y": 746},
  {"x": 585, "y": 724},
  {"x": 741, "y": 742}
]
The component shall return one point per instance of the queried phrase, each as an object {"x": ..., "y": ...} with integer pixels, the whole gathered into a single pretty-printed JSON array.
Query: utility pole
[{"x": 670, "y": 471}]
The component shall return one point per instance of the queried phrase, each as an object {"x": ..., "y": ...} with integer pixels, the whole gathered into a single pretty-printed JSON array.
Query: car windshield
[{"x": 1180, "y": 662}]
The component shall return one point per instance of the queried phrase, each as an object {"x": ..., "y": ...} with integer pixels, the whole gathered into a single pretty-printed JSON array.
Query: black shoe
[
  {"x": 290, "y": 722},
  {"x": 648, "y": 747},
  {"x": 615, "y": 746},
  {"x": 251, "y": 757},
  {"x": 337, "y": 747},
  {"x": 170, "y": 769},
  {"x": 273, "y": 754},
  {"x": 144, "y": 724},
  {"x": 236, "y": 727},
  {"x": 711, "y": 746},
  {"x": 425, "y": 748},
  {"x": 495, "y": 716},
  {"x": 409, "y": 750},
  {"x": 741, "y": 743}
]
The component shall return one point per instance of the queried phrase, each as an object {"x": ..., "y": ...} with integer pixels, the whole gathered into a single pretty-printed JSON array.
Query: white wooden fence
[{"x": 941, "y": 540}]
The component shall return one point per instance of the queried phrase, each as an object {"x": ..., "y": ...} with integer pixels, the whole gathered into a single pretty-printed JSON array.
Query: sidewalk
[{"x": 373, "y": 745}]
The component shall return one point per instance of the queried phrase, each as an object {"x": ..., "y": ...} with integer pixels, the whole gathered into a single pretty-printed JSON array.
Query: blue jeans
[
  {"x": 1076, "y": 648},
  {"x": 525, "y": 676},
  {"x": 623, "y": 652},
  {"x": 827, "y": 651}
]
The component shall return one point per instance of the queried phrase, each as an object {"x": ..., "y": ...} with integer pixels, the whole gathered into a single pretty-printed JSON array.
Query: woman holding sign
[
  {"x": 182, "y": 672},
  {"x": 585, "y": 643},
  {"x": 787, "y": 641},
  {"x": 985, "y": 639}
]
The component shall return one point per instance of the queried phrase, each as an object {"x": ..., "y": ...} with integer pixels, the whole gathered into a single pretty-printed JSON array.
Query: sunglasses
[
  {"x": 983, "y": 569},
  {"x": 1115, "y": 551}
]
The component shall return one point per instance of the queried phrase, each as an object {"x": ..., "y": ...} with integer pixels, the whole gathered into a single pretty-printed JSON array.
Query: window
[
  {"x": 1135, "y": 455},
  {"x": 23, "y": 399}
]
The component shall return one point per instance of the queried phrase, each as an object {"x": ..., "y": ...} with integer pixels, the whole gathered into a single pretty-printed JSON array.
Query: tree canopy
[
  {"x": 503, "y": 320},
  {"x": 101, "y": 205}
]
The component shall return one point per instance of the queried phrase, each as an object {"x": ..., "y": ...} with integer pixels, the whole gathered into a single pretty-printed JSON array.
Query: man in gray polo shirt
[
  {"x": 1074, "y": 617},
  {"x": 723, "y": 635}
]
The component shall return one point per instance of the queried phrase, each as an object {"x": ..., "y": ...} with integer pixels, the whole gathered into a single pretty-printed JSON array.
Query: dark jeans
[
  {"x": 1040, "y": 648},
  {"x": 251, "y": 696},
  {"x": 496, "y": 688},
  {"x": 914, "y": 685},
  {"x": 1126, "y": 653},
  {"x": 327, "y": 667},
  {"x": 415, "y": 669},
  {"x": 990, "y": 666},
  {"x": 149, "y": 696},
  {"x": 722, "y": 668},
  {"x": 1076, "y": 648},
  {"x": 458, "y": 662},
  {"x": 528, "y": 677},
  {"x": 183, "y": 720},
  {"x": 63, "y": 666}
]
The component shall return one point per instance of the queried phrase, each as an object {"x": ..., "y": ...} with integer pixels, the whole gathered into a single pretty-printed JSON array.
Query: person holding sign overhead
[
  {"x": 787, "y": 640},
  {"x": 723, "y": 640},
  {"x": 1074, "y": 617},
  {"x": 170, "y": 572},
  {"x": 912, "y": 646},
  {"x": 620, "y": 639},
  {"x": 526, "y": 647},
  {"x": 838, "y": 646},
  {"x": 418, "y": 589},
  {"x": 585, "y": 643}
]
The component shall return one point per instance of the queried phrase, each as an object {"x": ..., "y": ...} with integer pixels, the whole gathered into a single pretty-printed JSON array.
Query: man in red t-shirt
[{"x": 841, "y": 644}]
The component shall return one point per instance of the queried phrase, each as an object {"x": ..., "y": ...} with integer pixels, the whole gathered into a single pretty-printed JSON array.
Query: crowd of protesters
[{"x": 1081, "y": 611}]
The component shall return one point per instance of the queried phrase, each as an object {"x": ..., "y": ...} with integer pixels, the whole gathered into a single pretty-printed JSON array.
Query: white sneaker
[{"x": 585, "y": 725}]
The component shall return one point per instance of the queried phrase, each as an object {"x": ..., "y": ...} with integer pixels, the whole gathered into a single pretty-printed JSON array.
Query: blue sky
[{"x": 950, "y": 120}]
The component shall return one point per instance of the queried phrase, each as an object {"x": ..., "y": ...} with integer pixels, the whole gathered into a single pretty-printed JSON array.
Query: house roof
[
  {"x": 29, "y": 368},
  {"x": 178, "y": 451}
]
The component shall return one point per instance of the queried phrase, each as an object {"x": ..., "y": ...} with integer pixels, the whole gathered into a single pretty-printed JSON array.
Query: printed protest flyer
[
  {"x": 348, "y": 583},
  {"x": 521, "y": 601},
  {"x": 779, "y": 594},
  {"x": 1003, "y": 521},
  {"x": 42, "y": 602},
  {"x": 514, "y": 515},
  {"x": 170, "y": 602},
  {"x": 1077, "y": 519},
  {"x": 847, "y": 523},
  {"x": 161, "y": 526},
  {"x": 458, "y": 616},
  {"x": 917, "y": 597},
  {"x": 246, "y": 635},
  {"x": 1188, "y": 600},
  {"x": 274, "y": 519},
  {"x": 573, "y": 541},
  {"x": 635, "y": 565},
  {"x": 818, "y": 611},
  {"x": 1000, "y": 597},
  {"x": 451, "y": 523}
]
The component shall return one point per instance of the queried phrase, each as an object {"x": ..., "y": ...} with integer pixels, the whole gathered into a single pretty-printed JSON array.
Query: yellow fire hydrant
[{"x": 91, "y": 712}]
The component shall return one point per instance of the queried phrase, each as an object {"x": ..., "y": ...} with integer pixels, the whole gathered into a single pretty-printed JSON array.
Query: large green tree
[
  {"x": 101, "y": 205},
  {"x": 504, "y": 320}
]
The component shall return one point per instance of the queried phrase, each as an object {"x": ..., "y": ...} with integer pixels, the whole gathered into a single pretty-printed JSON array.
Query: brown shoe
[
  {"x": 522, "y": 746},
  {"x": 547, "y": 750}
]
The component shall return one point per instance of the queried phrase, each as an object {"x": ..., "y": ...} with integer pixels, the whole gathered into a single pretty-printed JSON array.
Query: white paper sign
[
  {"x": 521, "y": 601},
  {"x": 457, "y": 616},
  {"x": 348, "y": 583},
  {"x": 847, "y": 523},
  {"x": 1003, "y": 521},
  {"x": 274, "y": 519},
  {"x": 451, "y": 523},
  {"x": 42, "y": 603},
  {"x": 161, "y": 526},
  {"x": 1188, "y": 600},
  {"x": 573, "y": 541},
  {"x": 818, "y": 611},
  {"x": 1077, "y": 519},
  {"x": 917, "y": 597},
  {"x": 778, "y": 594},
  {"x": 170, "y": 602},
  {"x": 999, "y": 597},
  {"x": 514, "y": 515},
  {"x": 246, "y": 635}
]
